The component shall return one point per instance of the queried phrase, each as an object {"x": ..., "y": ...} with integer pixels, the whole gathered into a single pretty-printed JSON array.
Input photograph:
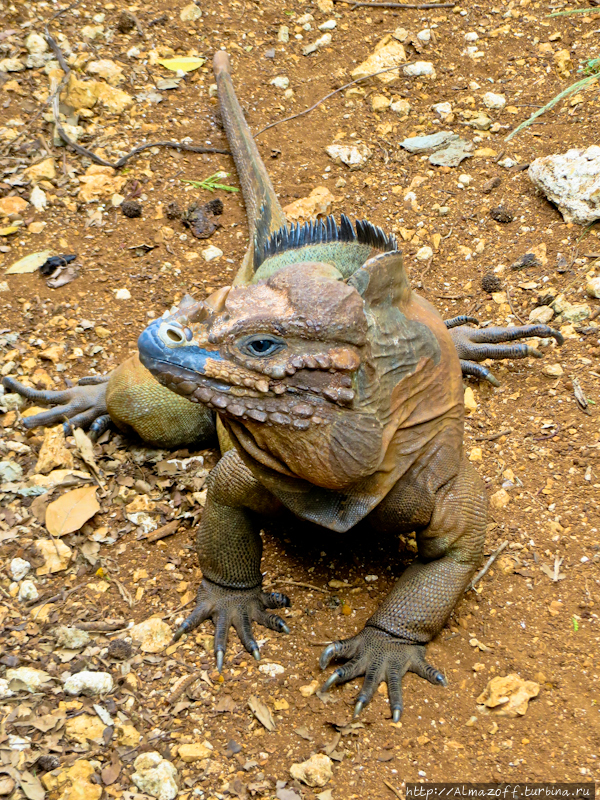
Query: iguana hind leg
[
  {"x": 229, "y": 549},
  {"x": 394, "y": 638}
]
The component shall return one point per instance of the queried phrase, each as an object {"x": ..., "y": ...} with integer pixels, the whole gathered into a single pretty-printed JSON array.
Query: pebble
[
  {"x": 281, "y": 82},
  {"x": 391, "y": 54},
  {"x": 38, "y": 198},
  {"x": 465, "y": 180},
  {"x": 197, "y": 751},
  {"x": 122, "y": 294},
  {"x": 156, "y": 776},
  {"x": 328, "y": 26},
  {"x": 322, "y": 41},
  {"x": 10, "y": 471},
  {"x": 424, "y": 35},
  {"x": 28, "y": 591},
  {"x": 421, "y": 144},
  {"x": 471, "y": 36},
  {"x": 211, "y": 252},
  {"x": 190, "y": 13},
  {"x": 453, "y": 154},
  {"x": 12, "y": 205},
  {"x": 36, "y": 44},
  {"x": 32, "y": 679},
  {"x": 571, "y": 181},
  {"x": 283, "y": 34},
  {"x": 316, "y": 771},
  {"x": 424, "y": 253},
  {"x": 496, "y": 102},
  {"x": 379, "y": 102},
  {"x": 541, "y": 315},
  {"x": 4, "y": 690},
  {"x": 553, "y": 370},
  {"x": 470, "y": 402},
  {"x": 153, "y": 635},
  {"x": 500, "y": 499},
  {"x": 11, "y": 65},
  {"x": 593, "y": 287},
  {"x": 71, "y": 638},
  {"x": 19, "y": 568},
  {"x": 88, "y": 683},
  {"x": 420, "y": 69},
  {"x": 400, "y": 107},
  {"x": 353, "y": 156},
  {"x": 442, "y": 109},
  {"x": 272, "y": 670}
]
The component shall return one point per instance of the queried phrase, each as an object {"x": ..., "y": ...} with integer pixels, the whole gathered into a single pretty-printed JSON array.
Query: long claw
[
  {"x": 220, "y": 658},
  {"x": 396, "y": 714},
  {"x": 327, "y": 655},
  {"x": 358, "y": 708},
  {"x": 256, "y": 654},
  {"x": 331, "y": 681},
  {"x": 283, "y": 627}
]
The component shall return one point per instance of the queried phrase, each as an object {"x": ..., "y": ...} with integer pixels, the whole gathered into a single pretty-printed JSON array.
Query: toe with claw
[
  {"x": 380, "y": 657},
  {"x": 237, "y": 608},
  {"x": 478, "y": 344}
]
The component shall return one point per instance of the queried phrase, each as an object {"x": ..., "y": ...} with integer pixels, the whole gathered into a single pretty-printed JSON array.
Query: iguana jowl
[{"x": 338, "y": 395}]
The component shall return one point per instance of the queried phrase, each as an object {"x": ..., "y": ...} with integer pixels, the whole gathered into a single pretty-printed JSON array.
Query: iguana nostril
[{"x": 175, "y": 335}]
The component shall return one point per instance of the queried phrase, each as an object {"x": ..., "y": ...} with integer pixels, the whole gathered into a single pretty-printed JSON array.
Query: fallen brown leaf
[{"x": 71, "y": 511}]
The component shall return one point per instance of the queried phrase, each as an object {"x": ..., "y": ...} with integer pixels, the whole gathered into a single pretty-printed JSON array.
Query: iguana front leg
[
  {"x": 229, "y": 549},
  {"x": 477, "y": 344},
  {"x": 394, "y": 638},
  {"x": 131, "y": 398}
]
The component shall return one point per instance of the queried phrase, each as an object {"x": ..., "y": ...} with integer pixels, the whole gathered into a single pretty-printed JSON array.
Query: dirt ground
[{"x": 529, "y": 436}]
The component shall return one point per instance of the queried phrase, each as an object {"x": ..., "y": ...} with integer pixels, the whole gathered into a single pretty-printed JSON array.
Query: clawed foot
[
  {"x": 237, "y": 607},
  {"x": 81, "y": 406},
  {"x": 477, "y": 344},
  {"x": 378, "y": 656}
]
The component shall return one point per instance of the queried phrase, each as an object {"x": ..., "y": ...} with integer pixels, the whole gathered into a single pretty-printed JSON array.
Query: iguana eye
[{"x": 262, "y": 346}]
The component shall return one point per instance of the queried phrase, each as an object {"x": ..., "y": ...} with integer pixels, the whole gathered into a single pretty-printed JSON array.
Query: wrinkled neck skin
[{"x": 361, "y": 379}]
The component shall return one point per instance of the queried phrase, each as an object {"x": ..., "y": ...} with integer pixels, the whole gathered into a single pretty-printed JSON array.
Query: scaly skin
[{"x": 338, "y": 395}]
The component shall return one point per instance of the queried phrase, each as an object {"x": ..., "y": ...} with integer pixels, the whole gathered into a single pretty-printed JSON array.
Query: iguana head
[{"x": 292, "y": 364}]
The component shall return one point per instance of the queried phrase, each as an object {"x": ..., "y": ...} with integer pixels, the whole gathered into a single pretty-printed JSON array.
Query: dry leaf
[
  {"x": 31, "y": 786},
  {"x": 30, "y": 263},
  {"x": 86, "y": 451},
  {"x": 53, "y": 452},
  {"x": 182, "y": 63},
  {"x": 508, "y": 696},
  {"x": 261, "y": 712},
  {"x": 56, "y": 555},
  {"x": 111, "y": 772},
  {"x": 72, "y": 510}
]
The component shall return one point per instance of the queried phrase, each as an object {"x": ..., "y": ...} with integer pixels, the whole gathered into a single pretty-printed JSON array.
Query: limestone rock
[
  {"x": 571, "y": 181},
  {"x": 316, "y": 771},
  {"x": 211, "y": 252},
  {"x": 88, "y": 683},
  {"x": 470, "y": 402},
  {"x": 27, "y": 679},
  {"x": 36, "y": 44},
  {"x": 380, "y": 102},
  {"x": 317, "y": 203},
  {"x": 193, "y": 752},
  {"x": 553, "y": 370},
  {"x": 495, "y": 102},
  {"x": 12, "y": 205},
  {"x": 541, "y": 315},
  {"x": 53, "y": 452},
  {"x": 71, "y": 638},
  {"x": 74, "y": 783},
  {"x": 85, "y": 728},
  {"x": 19, "y": 568},
  {"x": 508, "y": 696},
  {"x": 190, "y": 13},
  {"x": 387, "y": 53},
  {"x": 153, "y": 634},
  {"x": 56, "y": 555},
  {"x": 28, "y": 592},
  {"x": 353, "y": 156},
  {"x": 155, "y": 776},
  {"x": 500, "y": 499},
  {"x": 400, "y": 107},
  {"x": 593, "y": 287},
  {"x": 107, "y": 69},
  {"x": 420, "y": 69},
  {"x": 432, "y": 141}
]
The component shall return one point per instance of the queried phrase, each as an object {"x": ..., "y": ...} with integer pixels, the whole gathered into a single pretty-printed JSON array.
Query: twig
[
  {"x": 57, "y": 52},
  {"x": 488, "y": 564},
  {"x": 64, "y": 10},
  {"x": 109, "y": 626},
  {"x": 302, "y": 585},
  {"x": 185, "y": 684},
  {"x": 508, "y": 297},
  {"x": 323, "y": 99},
  {"x": 492, "y": 437},
  {"x": 60, "y": 596},
  {"x": 161, "y": 533},
  {"x": 392, "y": 789},
  {"x": 177, "y": 610}
]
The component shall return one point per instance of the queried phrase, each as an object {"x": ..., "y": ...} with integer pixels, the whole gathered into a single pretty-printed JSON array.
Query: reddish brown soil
[{"x": 542, "y": 630}]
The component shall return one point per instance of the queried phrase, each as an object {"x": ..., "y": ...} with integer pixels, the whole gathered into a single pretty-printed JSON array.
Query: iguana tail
[{"x": 262, "y": 207}]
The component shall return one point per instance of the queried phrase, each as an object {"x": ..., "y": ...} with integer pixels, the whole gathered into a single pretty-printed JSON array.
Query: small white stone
[
  {"x": 4, "y": 690},
  {"x": 32, "y": 679},
  {"x": 122, "y": 294},
  {"x": 190, "y": 13},
  {"x": 211, "y": 252},
  {"x": 284, "y": 34},
  {"x": 553, "y": 370},
  {"x": 354, "y": 157},
  {"x": 442, "y": 109},
  {"x": 10, "y": 471},
  {"x": 541, "y": 315},
  {"x": 424, "y": 253},
  {"x": 371, "y": 578},
  {"x": 401, "y": 107},
  {"x": 19, "y": 568},
  {"x": 271, "y": 669},
  {"x": 420, "y": 69},
  {"x": 471, "y": 36},
  {"x": 28, "y": 591},
  {"x": 571, "y": 181},
  {"x": 464, "y": 180},
  {"x": 328, "y": 26},
  {"x": 71, "y": 638},
  {"x": 316, "y": 771},
  {"x": 424, "y": 35},
  {"x": 507, "y": 162},
  {"x": 281, "y": 82},
  {"x": 494, "y": 101},
  {"x": 156, "y": 776},
  {"x": 36, "y": 44},
  {"x": 593, "y": 287},
  {"x": 88, "y": 683},
  {"x": 38, "y": 199}
]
